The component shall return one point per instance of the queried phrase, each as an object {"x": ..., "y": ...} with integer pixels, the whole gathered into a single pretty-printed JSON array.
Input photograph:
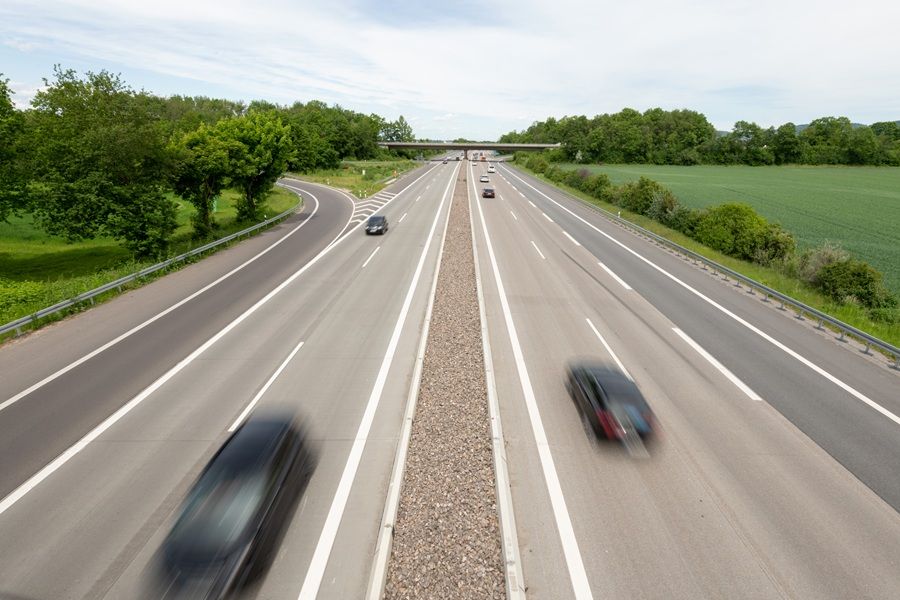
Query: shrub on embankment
[{"x": 737, "y": 230}]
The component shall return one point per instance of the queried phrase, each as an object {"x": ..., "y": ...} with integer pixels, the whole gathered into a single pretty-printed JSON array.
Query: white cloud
[{"x": 483, "y": 70}]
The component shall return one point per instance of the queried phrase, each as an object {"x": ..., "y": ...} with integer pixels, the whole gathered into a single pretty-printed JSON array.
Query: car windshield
[
  {"x": 219, "y": 509},
  {"x": 376, "y": 220}
]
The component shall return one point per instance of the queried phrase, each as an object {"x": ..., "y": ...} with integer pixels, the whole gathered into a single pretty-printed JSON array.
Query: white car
[
  {"x": 485, "y": 179},
  {"x": 491, "y": 169}
]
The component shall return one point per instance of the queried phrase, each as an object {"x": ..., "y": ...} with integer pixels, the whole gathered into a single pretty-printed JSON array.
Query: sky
[{"x": 460, "y": 68}]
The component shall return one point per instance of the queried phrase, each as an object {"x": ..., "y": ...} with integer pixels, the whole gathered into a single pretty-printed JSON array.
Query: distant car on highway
[
  {"x": 485, "y": 179},
  {"x": 377, "y": 224},
  {"x": 491, "y": 169},
  {"x": 487, "y": 193},
  {"x": 234, "y": 515},
  {"x": 610, "y": 402}
]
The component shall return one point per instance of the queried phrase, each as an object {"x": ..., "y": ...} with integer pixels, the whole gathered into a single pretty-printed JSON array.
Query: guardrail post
[
  {"x": 819, "y": 326},
  {"x": 799, "y": 314},
  {"x": 868, "y": 343},
  {"x": 18, "y": 331},
  {"x": 766, "y": 299},
  {"x": 841, "y": 339}
]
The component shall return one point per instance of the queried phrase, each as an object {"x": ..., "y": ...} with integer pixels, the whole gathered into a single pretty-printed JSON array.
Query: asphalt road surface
[
  {"x": 91, "y": 527},
  {"x": 774, "y": 475},
  {"x": 773, "y": 481}
]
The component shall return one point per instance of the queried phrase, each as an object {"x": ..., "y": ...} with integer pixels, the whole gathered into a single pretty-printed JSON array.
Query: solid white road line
[
  {"x": 378, "y": 576},
  {"x": 721, "y": 368},
  {"x": 401, "y": 218},
  {"x": 377, "y": 248},
  {"x": 319, "y": 561},
  {"x": 573, "y": 240},
  {"x": 532, "y": 204},
  {"x": 35, "y": 480},
  {"x": 538, "y": 250},
  {"x": 790, "y": 352},
  {"x": 574, "y": 562},
  {"x": 546, "y": 217},
  {"x": 514, "y": 215},
  {"x": 264, "y": 388},
  {"x": 158, "y": 316},
  {"x": 614, "y": 276},
  {"x": 610, "y": 350},
  {"x": 180, "y": 303},
  {"x": 515, "y": 582}
]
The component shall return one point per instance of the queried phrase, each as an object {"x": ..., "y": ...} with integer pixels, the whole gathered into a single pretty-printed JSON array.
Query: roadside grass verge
[
  {"x": 37, "y": 270},
  {"x": 362, "y": 178},
  {"x": 857, "y": 207},
  {"x": 848, "y": 313}
]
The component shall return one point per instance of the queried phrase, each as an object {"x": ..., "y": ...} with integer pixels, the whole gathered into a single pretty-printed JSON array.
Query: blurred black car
[
  {"x": 609, "y": 401},
  {"x": 377, "y": 224},
  {"x": 487, "y": 193},
  {"x": 235, "y": 513}
]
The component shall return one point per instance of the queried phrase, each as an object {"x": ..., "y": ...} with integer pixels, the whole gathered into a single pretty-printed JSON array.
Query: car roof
[
  {"x": 254, "y": 442},
  {"x": 615, "y": 383}
]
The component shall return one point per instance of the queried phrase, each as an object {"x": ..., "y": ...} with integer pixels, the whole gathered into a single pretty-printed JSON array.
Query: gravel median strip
[{"x": 447, "y": 534}]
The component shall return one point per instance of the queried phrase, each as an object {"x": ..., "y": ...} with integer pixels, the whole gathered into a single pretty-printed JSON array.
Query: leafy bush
[
  {"x": 733, "y": 229},
  {"x": 854, "y": 279},
  {"x": 810, "y": 263},
  {"x": 638, "y": 196},
  {"x": 596, "y": 185},
  {"x": 537, "y": 163}
]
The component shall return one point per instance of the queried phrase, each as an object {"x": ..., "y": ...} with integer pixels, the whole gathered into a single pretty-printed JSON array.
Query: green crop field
[{"x": 858, "y": 207}]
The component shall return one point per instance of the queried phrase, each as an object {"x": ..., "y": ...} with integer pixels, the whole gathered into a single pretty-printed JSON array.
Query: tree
[
  {"x": 397, "y": 131},
  {"x": 261, "y": 154},
  {"x": 98, "y": 162},
  {"x": 786, "y": 146},
  {"x": 12, "y": 181},
  {"x": 201, "y": 167}
]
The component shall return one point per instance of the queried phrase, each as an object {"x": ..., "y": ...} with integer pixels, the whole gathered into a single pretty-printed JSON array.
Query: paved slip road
[
  {"x": 791, "y": 496},
  {"x": 90, "y": 529}
]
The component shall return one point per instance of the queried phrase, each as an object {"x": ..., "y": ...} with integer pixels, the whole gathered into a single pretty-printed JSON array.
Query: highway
[
  {"x": 774, "y": 474},
  {"x": 772, "y": 481},
  {"x": 157, "y": 404}
]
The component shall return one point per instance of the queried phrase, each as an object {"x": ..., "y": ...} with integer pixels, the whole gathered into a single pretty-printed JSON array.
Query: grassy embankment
[
  {"x": 350, "y": 178},
  {"x": 37, "y": 270},
  {"x": 859, "y": 207}
]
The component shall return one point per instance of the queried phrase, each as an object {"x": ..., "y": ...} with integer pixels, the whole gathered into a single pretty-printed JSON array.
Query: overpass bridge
[{"x": 465, "y": 146}]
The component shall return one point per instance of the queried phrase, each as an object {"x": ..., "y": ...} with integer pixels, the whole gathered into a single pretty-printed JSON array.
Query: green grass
[
  {"x": 848, "y": 313},
  {"x": 37, "y": 270},
  {"x": 349, "y": 176},
  {"x": 858, "y": 207}
]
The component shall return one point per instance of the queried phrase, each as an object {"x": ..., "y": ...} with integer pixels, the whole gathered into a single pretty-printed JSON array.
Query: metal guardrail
[
  {"x": 800, "y": 308},
  {"x": 18, "y": 324}
]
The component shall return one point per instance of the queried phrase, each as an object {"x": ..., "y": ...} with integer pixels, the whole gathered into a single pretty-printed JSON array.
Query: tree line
[
  {"x": 686, "y": 137},
  {"x": 93, "y": 157}
]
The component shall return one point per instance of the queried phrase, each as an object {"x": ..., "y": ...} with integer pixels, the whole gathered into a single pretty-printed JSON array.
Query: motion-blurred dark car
[
  {"x": 445, "y": 161},
  {"x": 608, "y": 400},
  {"x": 234, "y": 515},
  {"x": 377, "y": 224},
  {"x": 487, "y": 193}
]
